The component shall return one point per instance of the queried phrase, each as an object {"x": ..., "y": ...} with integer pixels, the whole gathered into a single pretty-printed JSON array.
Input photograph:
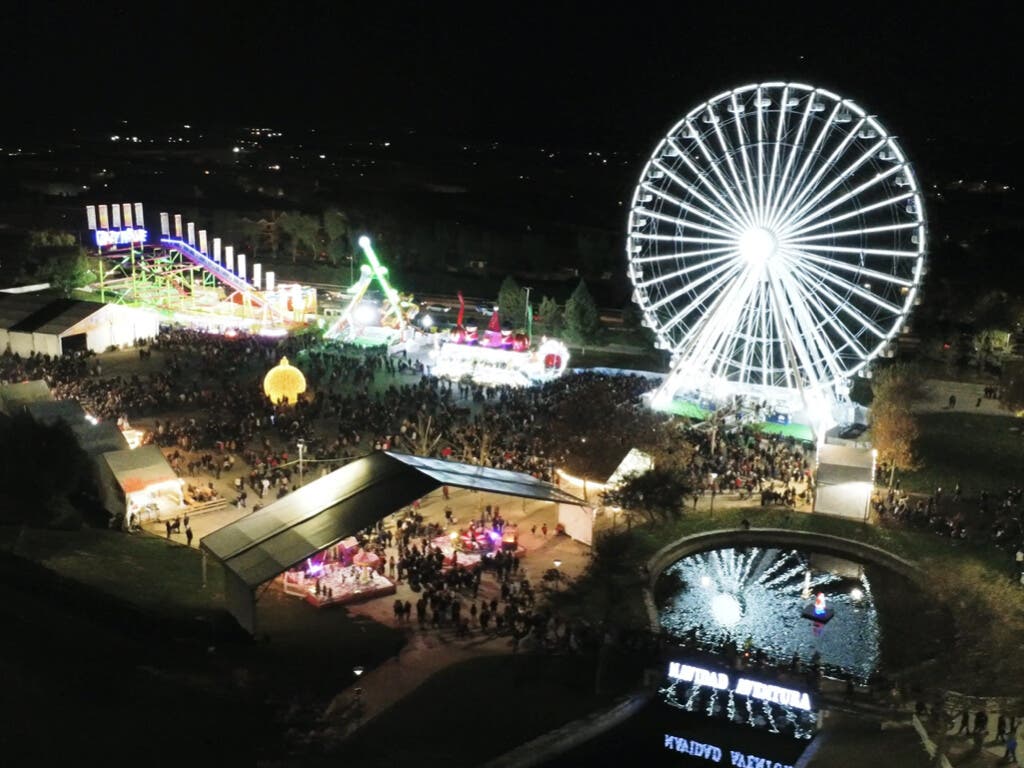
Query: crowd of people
[{"x": 995, "y": 518}]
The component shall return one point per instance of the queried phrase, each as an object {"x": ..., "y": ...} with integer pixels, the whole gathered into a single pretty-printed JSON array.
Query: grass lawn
[
  {"x": 477, "y": 710},
  {"x": 983, "y": 452},
  {"x": 160, "y": 577},
  {"x": 308, "y": 650},
  {"x": 603, "y": 357}
]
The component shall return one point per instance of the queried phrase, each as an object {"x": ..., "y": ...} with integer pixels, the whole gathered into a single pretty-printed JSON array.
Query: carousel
[
  {"x": 468, "y": 547},
  {"x": 341, "y": 574}
]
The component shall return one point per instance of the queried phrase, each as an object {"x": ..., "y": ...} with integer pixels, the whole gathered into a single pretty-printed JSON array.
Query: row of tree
[{"x": 578, "y": 321}]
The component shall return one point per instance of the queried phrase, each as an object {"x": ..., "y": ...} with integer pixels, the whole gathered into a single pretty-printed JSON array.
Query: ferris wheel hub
[{"x": 757, "y": 245}]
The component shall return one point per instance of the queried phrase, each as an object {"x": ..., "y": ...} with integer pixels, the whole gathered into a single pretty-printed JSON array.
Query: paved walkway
[{"x": 938, "y": 391}]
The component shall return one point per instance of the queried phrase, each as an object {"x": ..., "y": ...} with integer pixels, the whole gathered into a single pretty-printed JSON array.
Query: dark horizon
[{"x": 567, "y": 75}]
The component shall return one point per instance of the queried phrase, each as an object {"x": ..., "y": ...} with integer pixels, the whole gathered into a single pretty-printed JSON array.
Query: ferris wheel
[{"x": 776, "y": 241}]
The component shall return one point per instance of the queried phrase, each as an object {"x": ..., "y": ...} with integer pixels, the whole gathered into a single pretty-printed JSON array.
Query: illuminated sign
[
  {"x": 693, "y": 748},
  {"x": 714, "y": 754},
  {"x": 105, "y": 237},
  {"x": 743, "y": 686}
]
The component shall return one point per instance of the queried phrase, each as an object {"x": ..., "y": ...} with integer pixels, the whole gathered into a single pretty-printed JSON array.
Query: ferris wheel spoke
[
  {"x": 692, "y": 225},
  {"x": 678, "y": 222},
  {"x": 725, "y": 209},
  {"x": 791, "y": 355},
  {"x": 720, "y": 281},
  {"x": 743, "y": 219},
  {"x": 795, "y": 186},
  {"x": 830, "y": 316},
  {"x": 759, "y": 337},
  {"x": 720, "y": 217},
  {"x": 852, "y": 287},
  {"x": 729, "y": 250},
  {"x": 855, "y": 269},
  {"x": 759, "y": 103},
  {"x": 799, "y": 213},
  {"x": 746, "y": 330},
  {"x": 727, "y": 152},
  {"x": 777, "y": 144},
  {"x": 723, "y": 315},
  {"x": 853, "y": 232},
  {"x": 795, "y": 337},
  {"x": 801, "y": 300},
  {"x": 827, "y": 165},
  {"x": 718, "y": 276},
  {"x": 887, "y": 202},
  {"x": 869, "y": 251},
  {"x": 742, "y": 140},
  {"x": 700, "y": 265},
  {"x": 797, "y": 146}
]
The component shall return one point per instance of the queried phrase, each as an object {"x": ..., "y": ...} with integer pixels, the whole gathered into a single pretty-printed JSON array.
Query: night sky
[{"x": 614, "y": 76}]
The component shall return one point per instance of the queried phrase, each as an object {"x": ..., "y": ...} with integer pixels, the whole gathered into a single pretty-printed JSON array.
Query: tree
[
  {"x": 251, "y": 233},
  {"x": 424, "y": 436},
  {"x": 1011, "y": 386},
  {"x": 659, "y": 493},
  {"x": 336, "y": 227},
  {"x": 550, "y": 316},
  {"x": 894, "y": 431},
  {"x": 303, "y": 231},
  {"x": 900, "y": 384},
  {"x": 43, "y": 465},
  {"x": 65, "y": 267},
  {"x": 512, "y": 302},
  {"x": 582, "y": 321},
  {"x": 893, "y": 427}
]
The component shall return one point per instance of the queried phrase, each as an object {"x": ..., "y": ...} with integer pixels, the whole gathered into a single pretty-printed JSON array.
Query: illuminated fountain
[{"x": 755, "y": 597}]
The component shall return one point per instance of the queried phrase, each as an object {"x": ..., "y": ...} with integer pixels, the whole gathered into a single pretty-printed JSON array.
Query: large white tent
[
  {"x": 263, "y": 544},
  {"x": 45, "y": 324}
]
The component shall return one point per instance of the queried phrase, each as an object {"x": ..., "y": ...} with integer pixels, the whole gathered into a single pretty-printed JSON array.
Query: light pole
[
  {"x": 714, "y": 477},
  {"x": 302, "y": 452},
  {"x": 558, "y": 574},
  {"x": 358, "y": 702},
  {"x": 529, "y": 314}
]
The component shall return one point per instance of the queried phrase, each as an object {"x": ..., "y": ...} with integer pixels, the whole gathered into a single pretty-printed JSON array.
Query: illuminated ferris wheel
[{"x": 776, "y": 241}]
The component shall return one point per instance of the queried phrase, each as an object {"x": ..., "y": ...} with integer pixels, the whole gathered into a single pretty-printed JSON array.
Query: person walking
[
  {"x": 188, "y": 536},
  {"x": 1010, "y": 755},
  {"x": 965, "y": 722}
]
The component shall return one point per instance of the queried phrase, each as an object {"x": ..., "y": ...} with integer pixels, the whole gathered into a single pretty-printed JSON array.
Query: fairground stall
[
  {"x": 496, "y": 355},
  {"x": 152, "y": 490}
]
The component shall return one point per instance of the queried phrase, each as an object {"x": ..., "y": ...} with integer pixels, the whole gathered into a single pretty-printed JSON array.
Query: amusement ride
[{"x": 776, "y": 245}]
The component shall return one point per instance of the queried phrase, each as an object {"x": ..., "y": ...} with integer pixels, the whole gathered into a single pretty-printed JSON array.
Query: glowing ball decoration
[{"x": 284, "y": 383}]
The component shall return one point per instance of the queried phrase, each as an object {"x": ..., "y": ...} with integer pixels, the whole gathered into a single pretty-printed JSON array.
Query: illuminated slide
[{"x": 239, "y": 285}]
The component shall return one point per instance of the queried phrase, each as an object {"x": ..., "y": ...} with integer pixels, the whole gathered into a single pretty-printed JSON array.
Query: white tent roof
[
  {"x": 265, "y": 543},
  {"x": 137, "y": 469}
]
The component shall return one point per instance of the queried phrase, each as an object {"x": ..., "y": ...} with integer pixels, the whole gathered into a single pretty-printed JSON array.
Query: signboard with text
[{"x": 740, "y": 697}]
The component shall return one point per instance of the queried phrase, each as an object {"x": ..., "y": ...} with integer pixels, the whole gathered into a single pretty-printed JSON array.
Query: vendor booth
[{"x": 152, "y": 490}]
